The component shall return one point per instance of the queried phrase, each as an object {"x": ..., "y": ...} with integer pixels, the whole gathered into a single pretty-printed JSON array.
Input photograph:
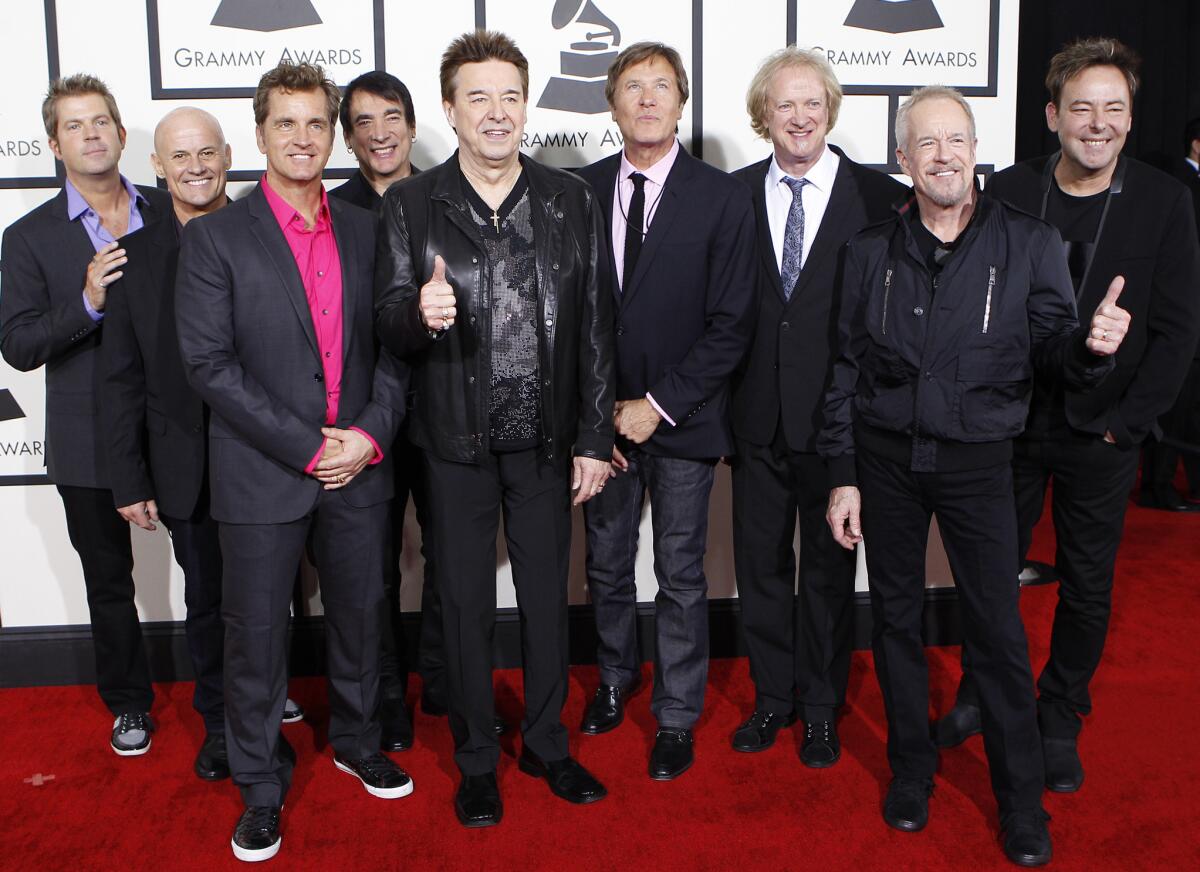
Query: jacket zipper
[
  {"x": 887, "y": 289},
  {"x": 987, "y": 306}
]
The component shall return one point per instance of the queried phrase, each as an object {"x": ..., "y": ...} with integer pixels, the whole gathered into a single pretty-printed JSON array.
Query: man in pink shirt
[{"x": 274, "y": 313}]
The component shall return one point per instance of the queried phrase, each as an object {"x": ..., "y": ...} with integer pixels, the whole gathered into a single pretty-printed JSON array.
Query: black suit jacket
[
  {"x": 43, "y": 321},
  {"x": 784, "y": 376},
  {"x": 250, "y": 351},
  {"x": 153, "y": 422},
  {"x": 683, "y": 322},
  {"x": 1149, "y": 237}
]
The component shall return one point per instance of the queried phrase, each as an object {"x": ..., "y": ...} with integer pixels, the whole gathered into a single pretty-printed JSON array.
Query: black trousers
[
  {"x": 975, "y": 515},
  {"x": 100, "y": 537},
  {"x": 260, "y": 563},
  {"x": 466, "y": 502},
  {"x": 197, "y": 547},
  {"x": 431, "y": 659},
  {"x": 1092, "y": 480},
  {"x": 1180, "y": 424},
  {"x": 799, "y": 646}
]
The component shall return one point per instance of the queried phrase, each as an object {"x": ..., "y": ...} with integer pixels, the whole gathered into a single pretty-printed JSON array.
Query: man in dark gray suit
[
  {"x": 58, "y": 263},
  {"x": 275, "y": 319}
]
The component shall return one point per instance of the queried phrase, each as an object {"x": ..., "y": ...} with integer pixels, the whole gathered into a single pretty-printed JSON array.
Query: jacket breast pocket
[{"x": 992, "y": 396}]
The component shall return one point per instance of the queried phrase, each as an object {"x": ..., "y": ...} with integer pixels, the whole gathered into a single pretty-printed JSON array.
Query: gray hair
[{"x": 921, "y": 95}]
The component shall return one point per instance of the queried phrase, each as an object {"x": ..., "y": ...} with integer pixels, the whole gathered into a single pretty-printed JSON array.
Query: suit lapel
[
  {"x": 829, "y": 235},
  {"x": 766, "y": 246},
  {"x": 78, "y": 243},
  {"x": 343, "y": 239},
  {"x": 669, "y": 206},
  {"x": 266, "y": 230},
  {"x": 606, "y": 191}
]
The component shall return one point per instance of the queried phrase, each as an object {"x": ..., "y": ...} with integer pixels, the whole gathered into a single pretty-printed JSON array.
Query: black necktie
[{"x": 634, "y": 223}]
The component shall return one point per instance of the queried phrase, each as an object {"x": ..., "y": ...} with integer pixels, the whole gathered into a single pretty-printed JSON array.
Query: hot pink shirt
[{"x": 316, "y": 253}]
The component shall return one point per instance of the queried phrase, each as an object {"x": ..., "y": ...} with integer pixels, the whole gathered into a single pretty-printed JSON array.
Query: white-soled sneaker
[
  {"x": 292, "y": 711},
  {"x": 256, "y": 836},
  {"x": 131, "y": 734},
  {"x": 378, "y": 774}
]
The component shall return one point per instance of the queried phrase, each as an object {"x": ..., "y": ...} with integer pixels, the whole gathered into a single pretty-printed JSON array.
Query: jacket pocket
[{"x": 992, "y": 397}]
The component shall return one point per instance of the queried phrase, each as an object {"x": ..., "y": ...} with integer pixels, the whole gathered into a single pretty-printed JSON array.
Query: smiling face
[
  {"x": 190, "y": 153},
  {"x": 380, "y": 135},
  {"x": 487, "y": 113},
  {"x": 1092, "y": 119},
  {"x": 296, "y": 136},
  {"x": 647, "y": 105},
  {"x": 797, "y": 118},
  {"x": 88, "y": 140},
  {"x": 939, "y": 156}
]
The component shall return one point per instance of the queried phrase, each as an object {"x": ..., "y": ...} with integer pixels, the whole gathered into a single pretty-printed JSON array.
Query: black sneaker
[
  {"x": 256, "y": 836},
  {"x": 906, "y": 806},
  {"x": 378, "y": 774},
  {"x": 1025, "y": 837},
  {"x": 293, "y": 712},
  {"x": 131, "y": 734}
]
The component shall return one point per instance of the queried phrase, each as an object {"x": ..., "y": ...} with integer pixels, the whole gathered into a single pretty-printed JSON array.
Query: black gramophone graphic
[
  {"x": 584, "y": 68},
  {"x": 894, "y": 16},
  {"x": 265, "y": 15}
]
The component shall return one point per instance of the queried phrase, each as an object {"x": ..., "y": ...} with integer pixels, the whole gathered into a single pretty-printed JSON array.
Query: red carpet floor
[{"x": 69, "y": 803}]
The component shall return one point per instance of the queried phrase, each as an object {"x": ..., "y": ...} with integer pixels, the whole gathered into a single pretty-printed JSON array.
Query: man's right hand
[
  {"x": 144, "y": 514},
  {"x": 100, "y": 274},
  {"x": 844, "y": 516},
  {"x": 437, "y": 299}
]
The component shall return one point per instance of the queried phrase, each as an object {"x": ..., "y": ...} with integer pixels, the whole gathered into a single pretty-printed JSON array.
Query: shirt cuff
[
  {"x": 95, "y": 315},
  {"x": 660, "y": 410},
  {"x": 312, "y": 464},
  {"x": 378, "y": 453}
]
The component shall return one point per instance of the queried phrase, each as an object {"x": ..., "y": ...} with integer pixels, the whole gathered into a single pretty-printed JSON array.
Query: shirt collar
[
  {"x": 285, "y": 214},
  {"x": 820, "y": 175},
  {"x": 1193, "y": 164},
  {"x": 658, "y": 171},
  {"x": 77, "y": 205}
]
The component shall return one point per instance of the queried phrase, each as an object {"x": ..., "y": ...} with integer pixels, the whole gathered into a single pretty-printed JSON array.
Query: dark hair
[
  {"x": 1092, "y": 51},
  {"x": 382, "y": 85},
  {"x": 475, "y": 48},
  {"x": 291, "y": 78},
  {"x": 640, "y": 52},
  {"x": 78, "y": 85},
  {"x": 1191, "y": 132}
]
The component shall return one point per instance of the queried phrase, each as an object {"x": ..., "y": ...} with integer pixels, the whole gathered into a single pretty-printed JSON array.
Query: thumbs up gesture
[
  {"x": 1110, "y": 322},
  {"x": 437, "y": 299}
]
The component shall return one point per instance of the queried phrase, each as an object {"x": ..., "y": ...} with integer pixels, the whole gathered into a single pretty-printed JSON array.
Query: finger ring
[
  {"x": 445, "y": 324},
  {"x": 1104, "y": 335},
  {"x": 445, "y": 314}
]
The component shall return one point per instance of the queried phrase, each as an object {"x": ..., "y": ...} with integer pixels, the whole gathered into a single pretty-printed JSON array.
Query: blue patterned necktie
[{"x": 793, "y": 237}]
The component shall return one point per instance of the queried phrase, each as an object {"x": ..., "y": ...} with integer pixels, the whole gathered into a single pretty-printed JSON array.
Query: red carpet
[{"x": 70, "y": 803}]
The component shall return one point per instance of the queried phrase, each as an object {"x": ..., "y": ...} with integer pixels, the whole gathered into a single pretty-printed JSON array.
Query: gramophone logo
[
  {"x": 894, "y": 16},
  {"x": 584, "y": 69},
  {"x": 265, "y": 16}
]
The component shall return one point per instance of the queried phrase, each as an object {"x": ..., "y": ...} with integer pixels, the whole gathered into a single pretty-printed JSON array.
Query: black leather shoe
[
  {"x": 958, "y": 725},
  {"x": 821, "y": 747},
  {"x": 607, "y": 708},
  {"x": 379, "y": 775},
  {"x": 1064, "y": 772},
  {"x": 567, "y": 778},
  {"x": 758, "y": 733},
  {"x": 212, "y": 761},
  {"x": 499, "y": 726},
  {"x": 672, "y": 754},
  {"x": 1167, "y": 501},
  {"x": 1026, "y": 838},
  {"x": 906, "y": 806},
  {"x": 477, "y": 802},
  {"x": 396, "y": 726},
  {"x": 256, "y": 836}
]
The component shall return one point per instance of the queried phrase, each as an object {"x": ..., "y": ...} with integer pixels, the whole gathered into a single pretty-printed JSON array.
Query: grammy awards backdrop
[{"x": 156, "y": 55}]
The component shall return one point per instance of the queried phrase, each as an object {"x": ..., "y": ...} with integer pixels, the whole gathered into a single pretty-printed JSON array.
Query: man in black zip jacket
[
  {"x": 947, "y": 311},
  {"x": 1118, "y": 218}
]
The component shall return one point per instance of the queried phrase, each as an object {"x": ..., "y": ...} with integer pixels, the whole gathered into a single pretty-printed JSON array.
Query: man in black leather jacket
[{"x": 489, "y": 282}]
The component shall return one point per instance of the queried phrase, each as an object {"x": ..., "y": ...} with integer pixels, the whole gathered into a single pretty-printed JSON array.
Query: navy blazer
[{"x": 684, "y": 321}]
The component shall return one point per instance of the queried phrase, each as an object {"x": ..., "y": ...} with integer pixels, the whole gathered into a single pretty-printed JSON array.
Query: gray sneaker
[
  {"x": 131, "y": 734},
  {"x": 292, "y": 712}
]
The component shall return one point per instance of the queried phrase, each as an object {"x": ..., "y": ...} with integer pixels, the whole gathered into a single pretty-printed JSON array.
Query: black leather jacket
[{"x": 427, "y": 215}]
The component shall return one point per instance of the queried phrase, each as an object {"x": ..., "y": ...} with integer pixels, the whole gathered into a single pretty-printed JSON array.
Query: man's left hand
[
  {"x": 587, "y": 479},
  {"x": 637, "y": 420},
  {"x": 338, "y": 469},
  {"x": 1110, "y": 322}
]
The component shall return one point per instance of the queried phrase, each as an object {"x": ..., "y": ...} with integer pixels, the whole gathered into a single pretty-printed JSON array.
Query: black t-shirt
[{"x": 1077, "y": 220}]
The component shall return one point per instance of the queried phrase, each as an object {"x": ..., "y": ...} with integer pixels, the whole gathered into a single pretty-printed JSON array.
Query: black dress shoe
[
  {"x": 378, "y": 774},
  {"x": 672, "y": 754},
  {"x": 499, "y": 726},
  {"x": 212, "y": 761},
  {"x": 607, "y": 708},
  {"x": 958, "y": 725},
  {"x": 821, "y": 747},
  {"x": 1064, "y": 772},
  {"x": 256, "y": 836},
  {"x": 1026, "y": 838},
  {"x": 396, "y": 726},
  {"x": 906, "y": 806},
  {"x": 1168, "y": 501},
  {"x": 567, "y": 778},
  {"x": 477, "y": 802},
  {"x": 758, "y": 733}
]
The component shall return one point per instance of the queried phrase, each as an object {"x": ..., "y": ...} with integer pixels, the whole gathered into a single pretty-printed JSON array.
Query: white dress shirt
[{"x": 815, "y": 197}]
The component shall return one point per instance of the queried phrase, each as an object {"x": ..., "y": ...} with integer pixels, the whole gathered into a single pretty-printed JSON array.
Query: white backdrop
[{"x": 156, "y": 55}]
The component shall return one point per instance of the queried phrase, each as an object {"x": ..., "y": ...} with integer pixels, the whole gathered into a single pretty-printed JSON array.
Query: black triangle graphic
[
  {"x": 905, "y": 16},
  {"x": 10, "y": 409},
  {"x": 265, "y": 15}
]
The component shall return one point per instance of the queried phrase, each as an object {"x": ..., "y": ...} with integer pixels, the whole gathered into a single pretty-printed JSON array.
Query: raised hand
[
  {"x": 100, "y": 274},
  {"x": 1109, "y": 323},
  {"x": 437, "y": 299}
]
